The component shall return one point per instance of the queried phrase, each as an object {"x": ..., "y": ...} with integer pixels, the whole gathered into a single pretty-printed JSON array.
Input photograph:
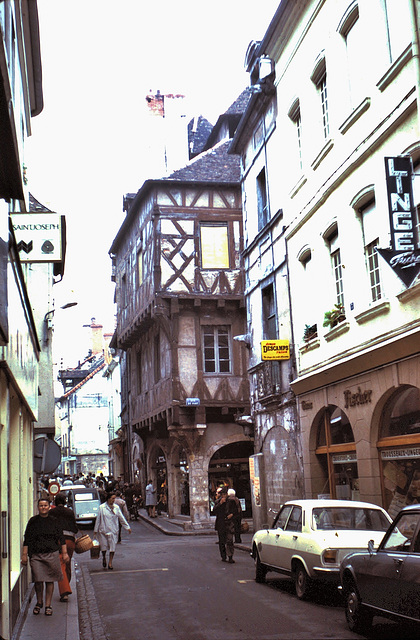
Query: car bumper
[{"x": 332, "y": 574}]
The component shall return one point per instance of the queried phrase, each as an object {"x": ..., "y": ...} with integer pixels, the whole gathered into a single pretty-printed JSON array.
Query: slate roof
[
  {"x": 199, "y": 130},
  {"x": 214, "y": 165},
  {"x": 241, "y": 103}
]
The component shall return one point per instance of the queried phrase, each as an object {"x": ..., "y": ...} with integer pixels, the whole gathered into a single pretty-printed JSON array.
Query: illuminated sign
[{"x": 275, "y": 350}]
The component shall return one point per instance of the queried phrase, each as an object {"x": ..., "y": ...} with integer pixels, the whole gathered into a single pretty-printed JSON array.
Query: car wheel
[
  {"x": 260, "y": 569},
  {"x": 358, "y": 618},
  {"x": 302, "y": 582}
]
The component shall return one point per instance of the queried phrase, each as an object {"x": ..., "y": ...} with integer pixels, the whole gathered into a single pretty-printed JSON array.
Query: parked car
[
  {"x": 310, "y": 538},
  {"x": 385, "y": 582},
  {"x": 84, "y": 501}
]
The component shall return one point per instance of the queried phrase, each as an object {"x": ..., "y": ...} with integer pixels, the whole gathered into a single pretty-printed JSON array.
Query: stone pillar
[{"x": 199, "y": 491}]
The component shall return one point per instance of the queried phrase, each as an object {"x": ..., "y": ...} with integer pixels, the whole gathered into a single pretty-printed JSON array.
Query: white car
[{"x": 310, "y": 538}]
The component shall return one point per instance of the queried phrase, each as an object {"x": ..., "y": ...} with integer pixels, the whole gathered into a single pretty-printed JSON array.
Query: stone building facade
[{"x": 179, "y": 292}]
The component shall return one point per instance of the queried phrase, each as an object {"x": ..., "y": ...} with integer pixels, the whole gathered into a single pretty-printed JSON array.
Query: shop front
[
  {"x": 399, "y": 449},
  {"x": 361, "y": 437},
  {"x": 229, "y": 466}
]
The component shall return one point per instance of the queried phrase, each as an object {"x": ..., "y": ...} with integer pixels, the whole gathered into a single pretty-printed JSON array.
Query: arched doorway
[
  {"x": 336, "y": 452},
  {"x": 230, "y": 466},
  {"x": 399, "y": 449},
  {"x": 160, "y": 474}
]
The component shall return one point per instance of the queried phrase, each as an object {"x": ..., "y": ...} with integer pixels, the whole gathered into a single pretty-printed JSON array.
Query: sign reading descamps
[
  {"x": 402, "y": 257},
  {"x": 275, "y": 349}
]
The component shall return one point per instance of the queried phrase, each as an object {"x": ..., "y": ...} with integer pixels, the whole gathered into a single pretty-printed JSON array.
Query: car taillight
[{"x": 330, "y": 556}]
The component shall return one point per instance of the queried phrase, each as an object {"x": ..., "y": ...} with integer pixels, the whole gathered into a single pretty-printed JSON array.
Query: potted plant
[
  {"x": 333, "y": 317},
  {"x": 310, "y": 332}
]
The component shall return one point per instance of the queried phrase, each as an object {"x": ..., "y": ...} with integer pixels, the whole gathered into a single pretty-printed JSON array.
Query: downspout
[{"x": 416, "y": 54}]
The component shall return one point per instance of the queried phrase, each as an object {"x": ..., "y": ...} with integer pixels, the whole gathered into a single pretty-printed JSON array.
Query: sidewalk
[{"x": 64, "y": 623}]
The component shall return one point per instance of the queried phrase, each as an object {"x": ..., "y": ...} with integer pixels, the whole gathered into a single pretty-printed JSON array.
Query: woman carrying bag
[{"x": 106, "y": 527}]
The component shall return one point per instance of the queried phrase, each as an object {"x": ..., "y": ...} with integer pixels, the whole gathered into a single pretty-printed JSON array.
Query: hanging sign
[
  {"x": 402, "y": 257},
  {"x": 275, "y": 349}
]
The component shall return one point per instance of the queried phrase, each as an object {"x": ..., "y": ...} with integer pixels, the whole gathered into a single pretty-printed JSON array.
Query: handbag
[
  {"x": 83, "y": 543},
  {"x": 244, "y": 526}
]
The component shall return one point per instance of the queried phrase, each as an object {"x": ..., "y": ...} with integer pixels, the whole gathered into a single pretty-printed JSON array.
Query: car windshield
[{"x": 355, "y": 518}]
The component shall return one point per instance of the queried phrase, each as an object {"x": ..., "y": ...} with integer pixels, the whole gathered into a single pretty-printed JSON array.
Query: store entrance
[
  {"x": 230, "y": 467},
  {"x": 160, "y": 472}
]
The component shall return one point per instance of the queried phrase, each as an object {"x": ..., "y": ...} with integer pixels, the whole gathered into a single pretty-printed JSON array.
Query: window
[
  {"x": 156, "y": 359},
  {"x": 139, "y": 266},
  {"x": 373, "y": 270},
  {"x": 216, "y": 349},
  {"x": 397, "y": 17},
  {"x": 338, "y": 276},
  {"x": 319, "y": 78},
  {"x": 123, "y": 291},
  {"x": 294, "y": 115},
  {"x": 322, "y": 88},
  {"x": 139, "y": 372},
  {"x": 214, "y": 246},
  {"x": 269, "y": 313},
  {"x": 262, "y": 202},
  {"x": 350, "y": 30}
]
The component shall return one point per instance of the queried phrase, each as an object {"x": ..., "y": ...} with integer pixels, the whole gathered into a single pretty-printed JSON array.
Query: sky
[{"x": 99, "y": 60}]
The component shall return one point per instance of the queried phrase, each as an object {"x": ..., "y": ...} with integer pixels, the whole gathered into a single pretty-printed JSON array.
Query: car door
[
  {"x": 286, "y": 540},
  {"x": 379, "y": 580},
  {"x": 410, "y": 579},
  {"x": 269, "y": 549}
]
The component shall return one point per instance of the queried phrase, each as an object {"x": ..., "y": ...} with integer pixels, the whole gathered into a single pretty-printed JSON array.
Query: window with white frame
[
  {"x": 372, "y": 264},
  {"x": 338, "y": 276},
  {"x": 331, "y": 238},
  {"x": 350, "y": 29},
  {"x": 262, "y": 200},
  {"x": 295, "y": 117},
  {"x": 397, "y": 16},
  {"x": 319, "y": 78},
  {"x": 216, "y": 349}
]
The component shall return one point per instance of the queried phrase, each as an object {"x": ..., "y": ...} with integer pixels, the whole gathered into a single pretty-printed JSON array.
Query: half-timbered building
[{"x": 179, "y": 293}]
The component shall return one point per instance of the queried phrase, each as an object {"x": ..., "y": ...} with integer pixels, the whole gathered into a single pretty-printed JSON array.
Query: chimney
[{"x": 96, "y": 337}]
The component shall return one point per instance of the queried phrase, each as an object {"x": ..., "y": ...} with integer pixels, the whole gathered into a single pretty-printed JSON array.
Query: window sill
[
  {"x": 410, "y": 293},
  {"x": 341, "y": 328},
  {"x": 298, "y": 186},
  {"x": 310, "y": 345},
  {"x": 355, "y": 115},
  {"x": 322, "y": 154},
  {"x": 377, "y": 309},
  {"x": 394, "y": 70}
]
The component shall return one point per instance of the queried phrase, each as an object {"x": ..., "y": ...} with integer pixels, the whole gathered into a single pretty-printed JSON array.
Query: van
[{"x": 84, "y": 501}]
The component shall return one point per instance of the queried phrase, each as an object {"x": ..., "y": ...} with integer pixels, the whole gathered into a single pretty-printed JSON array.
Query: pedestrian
[
  {"x": 233, "y": 524},
  {"x": 106, "y": 527},
  {"x": 42, "y": 542},
  {"x": 151, "y": 499},
  {"x": 119, "y": 500},
  {"x": 67, "y": 522},
  {"x": 219, "y": 510}
]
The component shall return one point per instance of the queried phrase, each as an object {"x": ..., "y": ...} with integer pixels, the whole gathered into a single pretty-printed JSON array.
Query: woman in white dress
[{"x": 106, "y": 527}]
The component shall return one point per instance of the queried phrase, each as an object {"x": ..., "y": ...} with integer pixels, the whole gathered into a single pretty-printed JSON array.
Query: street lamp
[{"x": 49, "y": 316}]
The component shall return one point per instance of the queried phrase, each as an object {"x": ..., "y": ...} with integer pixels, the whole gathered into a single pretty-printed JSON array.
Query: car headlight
[{"x": 330, "y": 556}]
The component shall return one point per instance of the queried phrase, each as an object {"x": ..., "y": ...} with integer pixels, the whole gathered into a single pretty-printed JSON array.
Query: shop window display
[
  {"x": 401, "y": 461},
  {"x": 336, "y": 452}
]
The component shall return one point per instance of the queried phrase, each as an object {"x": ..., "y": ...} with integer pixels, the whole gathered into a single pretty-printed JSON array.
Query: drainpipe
[{"x": 416, "y": 53}]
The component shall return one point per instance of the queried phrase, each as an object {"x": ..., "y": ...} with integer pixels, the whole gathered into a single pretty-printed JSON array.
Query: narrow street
[{"x": 169, "y": 588}]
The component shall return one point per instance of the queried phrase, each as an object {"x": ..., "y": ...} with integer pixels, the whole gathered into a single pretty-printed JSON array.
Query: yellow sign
[{"x": 275, "y": 349}]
